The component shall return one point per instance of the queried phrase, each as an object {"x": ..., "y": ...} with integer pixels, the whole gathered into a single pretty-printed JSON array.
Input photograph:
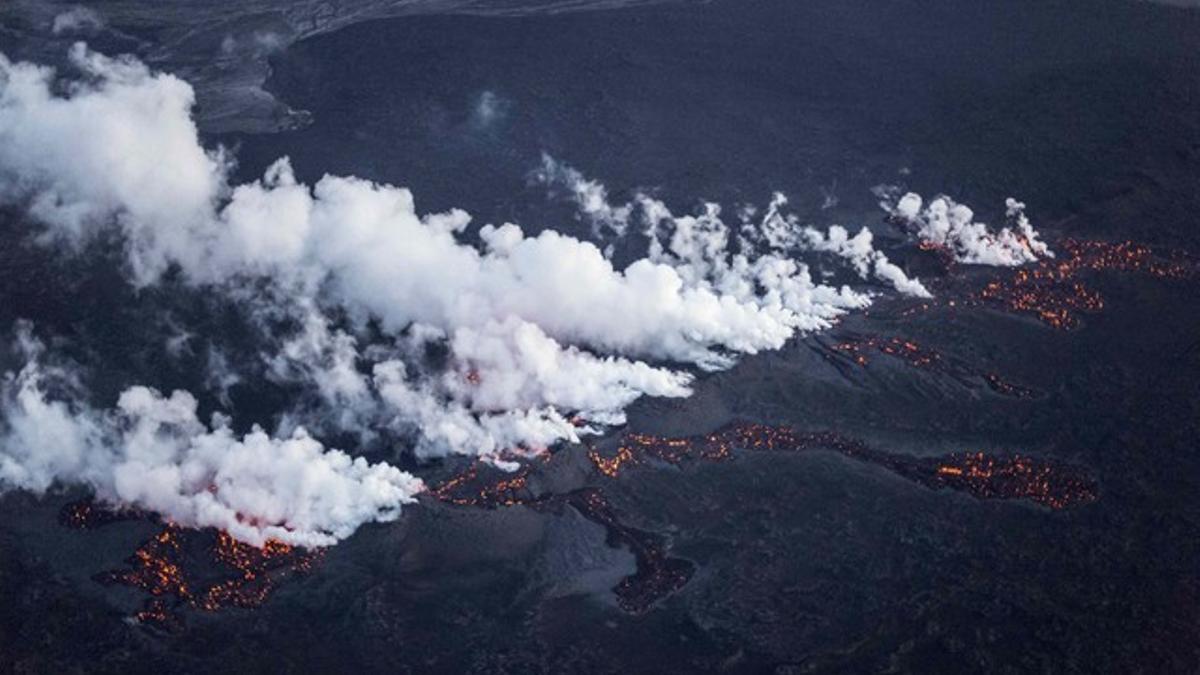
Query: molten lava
[
  {"x": 1050, "y": 483},
  {"x": 1053, "y": 292},
  {"x": 856, "y": 348},
  {"x": 497, "y": 489},
  {"x": 201, "y": 569},
  {"x": 87, "y": 514},
  {"x": 906, "y": 350}
]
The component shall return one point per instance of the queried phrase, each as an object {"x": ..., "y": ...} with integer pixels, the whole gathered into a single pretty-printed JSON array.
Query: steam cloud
[
  {"x": 78, "y": 19},
  {"x": 546, "y": 338},
  {"x": 700, "y": 244},
  {"x": 153, "y": 453},
  {"x": 951, "y": 225}
]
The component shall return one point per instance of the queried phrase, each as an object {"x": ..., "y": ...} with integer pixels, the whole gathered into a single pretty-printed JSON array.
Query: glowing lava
[
  {"x": 1053, "y": 290},
  {"x": 858, "y": 350},
  {"x": 906, "y": 350},
  {"x": 87, "y": 514},
  {"x": 200, "y": 569},
  {"x": 1050, "y": 483},
  {"x": 470, "y": 488},
  {"x": 1015, "y": 477}
]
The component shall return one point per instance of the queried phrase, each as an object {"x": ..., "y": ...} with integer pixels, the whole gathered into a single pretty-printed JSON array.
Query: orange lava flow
[
  {"x": 470, "y": 488},
  {"x": 906, "y": 350},
  {"x": 206, "y": 570},
  {"x": 1051, "y": 483},
  {"x": 1017, "y": 477},
  {"x": 855, "y": 348},
  {"x": 253, "y": 566},
  {"x": 1053, "y": 292},
  {"x": 611, "y": 466},
  {"x": 87, "y": 514}
]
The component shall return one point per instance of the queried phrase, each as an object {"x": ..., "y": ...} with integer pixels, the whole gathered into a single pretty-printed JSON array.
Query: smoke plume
[{"x": 545, "y": 337}]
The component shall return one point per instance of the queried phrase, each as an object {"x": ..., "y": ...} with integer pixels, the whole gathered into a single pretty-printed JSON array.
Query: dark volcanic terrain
[{"x": 1005, "y": 478}]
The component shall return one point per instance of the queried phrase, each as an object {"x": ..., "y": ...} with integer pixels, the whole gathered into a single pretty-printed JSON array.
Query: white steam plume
[
  {"x": 152, "y": 452},
  {"x": 945, "y": 223},
  {"x": 544, "y": 337},
  {"x": 590, "y": 196},
  {"x": 78, "y": 19},
  {"x": 858, "y": 250},
  {"x": 706, "y": 239}
]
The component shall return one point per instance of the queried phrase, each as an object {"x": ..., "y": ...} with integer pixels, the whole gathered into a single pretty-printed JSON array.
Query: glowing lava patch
[
  {"x": 1054, "y": 484},
  {"x": 180, "y": 568}
]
